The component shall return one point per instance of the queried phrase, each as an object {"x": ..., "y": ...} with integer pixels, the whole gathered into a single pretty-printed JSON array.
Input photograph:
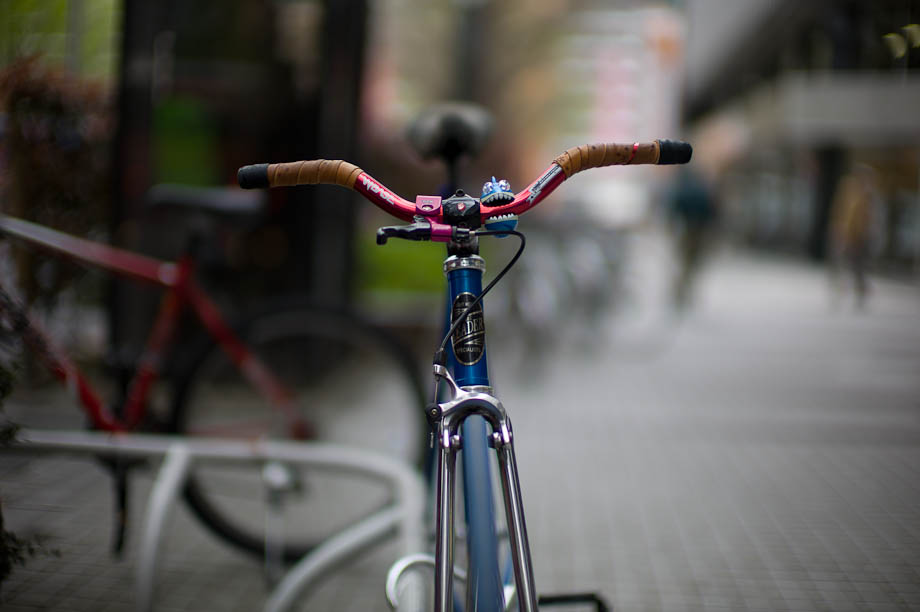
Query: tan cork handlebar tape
[
  {"x": 581, "y": 158},
  {"x": 314, "y": 172}
]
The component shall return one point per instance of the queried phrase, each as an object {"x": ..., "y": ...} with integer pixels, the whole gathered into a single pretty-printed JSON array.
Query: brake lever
[{"x": 422, "y": 229}]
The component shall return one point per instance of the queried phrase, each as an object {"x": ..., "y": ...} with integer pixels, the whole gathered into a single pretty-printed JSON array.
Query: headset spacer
[{"x": 471, "y": 262}]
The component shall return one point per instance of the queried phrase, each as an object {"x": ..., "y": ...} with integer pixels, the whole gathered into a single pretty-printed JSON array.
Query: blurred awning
[
  {"x": 732, "y": 46},
  {"x": 834, "y": 108}
]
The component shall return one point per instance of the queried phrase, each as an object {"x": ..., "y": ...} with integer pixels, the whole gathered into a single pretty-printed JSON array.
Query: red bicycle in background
[{"x": 284, "y": 369}]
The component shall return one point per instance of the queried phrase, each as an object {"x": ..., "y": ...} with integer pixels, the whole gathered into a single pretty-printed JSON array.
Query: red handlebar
[{"x": 576, "y": 159}]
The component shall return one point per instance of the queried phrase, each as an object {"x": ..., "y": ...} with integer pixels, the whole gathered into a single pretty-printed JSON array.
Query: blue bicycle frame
[
  {"x": 471, "y": 370},
  {"x": 474, "y": 420}
]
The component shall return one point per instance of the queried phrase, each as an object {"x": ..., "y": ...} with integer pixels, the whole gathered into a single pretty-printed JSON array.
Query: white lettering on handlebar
[
  {"x": 542, "y": 182},
  {"x": 377, "y": 189}
]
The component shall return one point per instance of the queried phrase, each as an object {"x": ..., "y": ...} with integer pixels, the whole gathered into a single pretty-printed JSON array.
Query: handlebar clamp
[{"x": 461, "y": 210}]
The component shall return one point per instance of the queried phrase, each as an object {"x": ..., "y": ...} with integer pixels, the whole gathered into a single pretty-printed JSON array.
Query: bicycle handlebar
[
  {"x": 572, "y": 161},
  {"x": 659, "y": 152},
  {"x": 314, "y": 172}
]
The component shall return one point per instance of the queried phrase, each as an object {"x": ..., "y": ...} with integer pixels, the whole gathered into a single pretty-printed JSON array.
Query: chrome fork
[{"x": 449, "y": 416}]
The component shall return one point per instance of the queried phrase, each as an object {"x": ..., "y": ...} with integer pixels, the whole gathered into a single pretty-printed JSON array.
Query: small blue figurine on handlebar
[{"x": 495, "y": 193}]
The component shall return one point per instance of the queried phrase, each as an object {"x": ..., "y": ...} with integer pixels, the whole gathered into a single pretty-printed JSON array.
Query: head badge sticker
[{"x": 469, "y": 339}]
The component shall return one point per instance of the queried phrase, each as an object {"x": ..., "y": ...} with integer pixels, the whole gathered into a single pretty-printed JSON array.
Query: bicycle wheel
[
  {"x": 354, "y": 384},
  {"x": 485, "y": 590}
]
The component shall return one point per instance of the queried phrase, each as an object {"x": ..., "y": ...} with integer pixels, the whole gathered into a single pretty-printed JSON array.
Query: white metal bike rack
[{"x": 404, "y": 515}]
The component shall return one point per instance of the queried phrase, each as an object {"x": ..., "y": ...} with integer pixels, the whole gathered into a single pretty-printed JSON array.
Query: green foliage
[
  {"x": 6, "y": 382},
  {"x": 16, "y": 551},
  {"x": 33, "y": 26},
  {"x": 185, "y": 142},
  {"x": 57, "y": 149},
  {"x": 412, "y": 267},
  {"x": 13, "y": 549},
  {"x": 52, "y": 29},
  {"x": 402, "y": 266},
  {"x": 8, "y": 431}
]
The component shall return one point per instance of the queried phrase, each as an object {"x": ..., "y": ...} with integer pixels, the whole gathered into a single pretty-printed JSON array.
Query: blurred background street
[
  {"x": 759, "y": 454},
  {"x": 713, "y": 372}
]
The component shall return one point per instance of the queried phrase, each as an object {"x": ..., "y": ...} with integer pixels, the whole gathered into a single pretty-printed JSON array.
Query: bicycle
[
  {"x": 276, "y": 372},
  {"x": 471, "y": 417}
]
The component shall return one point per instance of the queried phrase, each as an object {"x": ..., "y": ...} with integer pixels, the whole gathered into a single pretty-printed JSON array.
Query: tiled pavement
[{"x": 761, "y": 454}]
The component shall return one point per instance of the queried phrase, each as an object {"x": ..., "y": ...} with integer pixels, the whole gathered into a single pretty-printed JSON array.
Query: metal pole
[
  {"x": 169, "y": 482},
  {"x": 405, "y": 514},
  {"x": 332, "y": 551}
]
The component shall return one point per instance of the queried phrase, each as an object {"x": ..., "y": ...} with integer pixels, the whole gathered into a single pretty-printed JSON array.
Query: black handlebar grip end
[
  {"x": 674, "y": 152},
  {"x": 253, "y": 177}
]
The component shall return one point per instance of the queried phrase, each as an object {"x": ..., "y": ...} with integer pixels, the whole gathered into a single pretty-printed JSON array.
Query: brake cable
[{"x": 440, "y": 355}]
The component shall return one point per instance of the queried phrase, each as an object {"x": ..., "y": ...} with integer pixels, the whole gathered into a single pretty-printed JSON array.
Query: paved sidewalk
[{"x": 761, "y": 453}]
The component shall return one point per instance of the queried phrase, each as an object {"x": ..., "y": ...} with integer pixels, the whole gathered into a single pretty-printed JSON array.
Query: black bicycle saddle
[{"x": 450, "y": 130}]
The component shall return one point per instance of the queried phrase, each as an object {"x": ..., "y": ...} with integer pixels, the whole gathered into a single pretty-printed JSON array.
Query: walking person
[
  {"x": 852, "y": 219},
  {"x": 693, "y": 213}
]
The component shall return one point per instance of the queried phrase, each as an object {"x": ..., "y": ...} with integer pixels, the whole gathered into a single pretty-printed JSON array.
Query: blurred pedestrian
[
  {"x": 692, "y": 211},
  {"x": 853, "y": 215}
]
